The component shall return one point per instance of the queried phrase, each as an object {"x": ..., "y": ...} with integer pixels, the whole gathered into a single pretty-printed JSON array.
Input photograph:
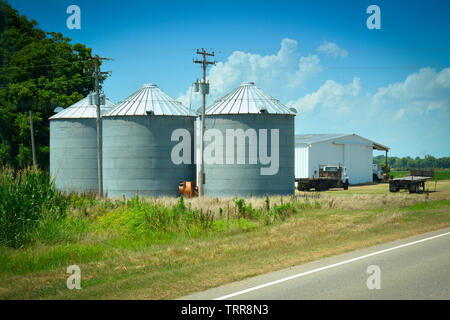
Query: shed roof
[
  {"x": 149, "y": 99},
  {"x": 316, "y": 138},
  {"x": 248, "y": 99},
  {"x": 82, "y": 109}
]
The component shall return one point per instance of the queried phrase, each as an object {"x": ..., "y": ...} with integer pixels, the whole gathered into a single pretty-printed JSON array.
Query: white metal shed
[{"x": 349, "y": 150}]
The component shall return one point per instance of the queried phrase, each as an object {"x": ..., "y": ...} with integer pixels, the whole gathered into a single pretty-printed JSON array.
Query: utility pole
[
  {"x": 33, "y": 148},
  {"x": 204, "y": 90},
  {"x": 96, "y": 76}
]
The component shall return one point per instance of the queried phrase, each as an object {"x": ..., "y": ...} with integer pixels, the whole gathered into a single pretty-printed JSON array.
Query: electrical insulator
[{"x": 195, "y": 86}]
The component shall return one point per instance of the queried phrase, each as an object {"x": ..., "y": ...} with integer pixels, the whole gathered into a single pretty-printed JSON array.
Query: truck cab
[
  {"x": 377, "y": 172},
  {"x": 334, "y": 171},
  {"x": 330, "y": 176}
]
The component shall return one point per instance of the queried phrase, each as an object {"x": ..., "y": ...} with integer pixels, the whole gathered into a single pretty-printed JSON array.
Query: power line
[
  {"x": 46, "y": 84},
  {"x": 43, "y": 65},
  {"x": 374, "y": 67}
]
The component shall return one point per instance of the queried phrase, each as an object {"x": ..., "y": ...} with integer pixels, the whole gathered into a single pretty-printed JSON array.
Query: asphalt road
[{"x": 412, "y": 268}]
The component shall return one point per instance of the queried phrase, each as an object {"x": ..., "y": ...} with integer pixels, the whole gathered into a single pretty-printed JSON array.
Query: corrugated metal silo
[
  {"x": 249, "y": 107},
  {"x": 73, "y": 145},
  {"x": 137, "y": 145}
]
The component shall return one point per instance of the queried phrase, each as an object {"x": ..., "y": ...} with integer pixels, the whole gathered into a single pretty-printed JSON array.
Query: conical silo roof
[
  {"x": 83, "y": 109},
  {"x": 248, "y": 99},
  {"x": 149, "y": 99}
]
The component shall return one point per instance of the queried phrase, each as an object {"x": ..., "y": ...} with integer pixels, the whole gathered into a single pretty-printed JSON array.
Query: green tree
[
  {"x": 404, "y": 163},
  {"x": 39, "y": 71}
]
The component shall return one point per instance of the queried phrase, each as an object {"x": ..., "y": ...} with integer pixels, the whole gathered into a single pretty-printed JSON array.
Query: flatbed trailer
[{"x": 414, "y": 183}]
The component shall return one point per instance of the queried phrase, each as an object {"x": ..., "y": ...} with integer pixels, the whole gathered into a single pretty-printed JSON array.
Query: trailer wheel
[
  {"x": 323, "y": 186},
  {"x": 318, "y": 186},
  {"x": 414, "y": 188},
  {"x": 346, "y": 185},
  {"x": 302, "y": 187},
  {"x": 393, "y": 187}
]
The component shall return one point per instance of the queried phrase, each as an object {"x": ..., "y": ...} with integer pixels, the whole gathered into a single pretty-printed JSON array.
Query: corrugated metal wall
[
  {"x": 73, "y": 154},
  {"x": 354, "y": 153},
  {"x": 324, "y": 153},
  {"x": 137, "y": 155},
  {"x": 358, "y": 160},
  {"x": 301, "y": 161},
  {"x": 245, "y": 180}
]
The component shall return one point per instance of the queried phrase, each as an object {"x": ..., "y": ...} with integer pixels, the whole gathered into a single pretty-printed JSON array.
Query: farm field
[
  {"x": 440, "y": 174},
  {"x": 168, "y": 248}
]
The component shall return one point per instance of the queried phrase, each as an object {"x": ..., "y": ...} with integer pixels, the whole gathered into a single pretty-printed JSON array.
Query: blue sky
[{"x": 390, "y": 85}]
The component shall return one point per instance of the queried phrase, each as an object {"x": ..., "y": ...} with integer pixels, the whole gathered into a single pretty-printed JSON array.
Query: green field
[
  {"x": 167, "y": 248},
  {"x": 440, "y": 174}
]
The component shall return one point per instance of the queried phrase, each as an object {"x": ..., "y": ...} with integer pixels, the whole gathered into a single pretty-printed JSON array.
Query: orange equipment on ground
[{"x": 188, "y": 189}]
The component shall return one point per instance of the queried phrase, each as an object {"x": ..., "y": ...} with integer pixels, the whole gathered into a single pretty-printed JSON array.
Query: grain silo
[
  {"x": 252, "y": 128},
  {"x": 138, "y": 145},
  {"x": 73, "y": 145}
]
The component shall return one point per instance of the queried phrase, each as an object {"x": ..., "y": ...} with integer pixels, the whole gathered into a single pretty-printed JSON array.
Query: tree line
[
  {"x": 39, "y": 71},
  {"x": 407, "y": 163}
]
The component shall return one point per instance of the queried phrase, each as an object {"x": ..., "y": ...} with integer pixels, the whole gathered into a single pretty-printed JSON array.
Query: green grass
[
  {"x": 28, "y": 260},
  {"x": 26, "y": 197},
  {"x": 135, "y": 225},
  {"x": 440, "y": 174},
  {"x": 172, "y": 269},
  {"x": 399, "y": 173},
  {"x": 159, "y": 249},
  {"x": 429, "y": 205}
]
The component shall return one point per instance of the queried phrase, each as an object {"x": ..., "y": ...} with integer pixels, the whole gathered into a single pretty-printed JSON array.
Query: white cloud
[
  {"x": 331, "y": 95},
  {"x": 438, "y": 105},
  {"x": 399, "y": 114},
  {"x": 421, "y": 92},
  {"x": 443, "y": 78},
  {"x": 423, "y": 98},
  {"x": 282, "y": 74},
  {"x": 307, "y": 66},
  {"x": 280, "y": 71},
  {"x": 332, "y": 49}
]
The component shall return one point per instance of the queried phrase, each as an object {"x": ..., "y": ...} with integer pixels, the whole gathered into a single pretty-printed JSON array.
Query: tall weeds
[{"x": 26, "y": 197}]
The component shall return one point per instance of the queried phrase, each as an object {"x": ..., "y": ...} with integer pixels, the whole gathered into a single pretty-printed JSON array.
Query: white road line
[{"x": 327, "y": 267}]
